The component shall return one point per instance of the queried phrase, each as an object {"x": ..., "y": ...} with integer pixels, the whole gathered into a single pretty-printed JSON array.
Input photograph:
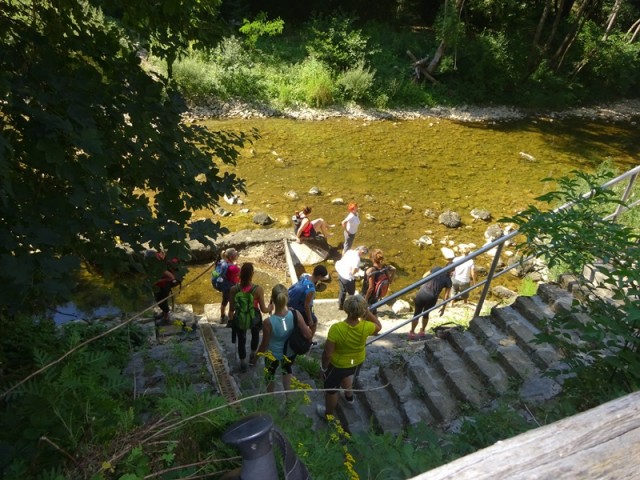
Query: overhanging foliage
[{"x": 93, "y": 155}]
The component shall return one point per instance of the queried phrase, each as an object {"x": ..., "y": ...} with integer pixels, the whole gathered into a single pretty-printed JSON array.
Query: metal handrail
[{"x": 622, "y": 207}]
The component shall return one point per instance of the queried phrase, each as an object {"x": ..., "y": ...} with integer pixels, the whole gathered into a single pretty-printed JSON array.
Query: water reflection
[{"x": 70, "y": 312}]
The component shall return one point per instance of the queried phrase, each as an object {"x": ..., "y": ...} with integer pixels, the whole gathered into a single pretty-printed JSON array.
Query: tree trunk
[
  {"x": 420, "y": 67},
  {"x": 437, "y": 57},
  {"x": 554, "y": 27},
  {"x": 634, "y": 30},
  {"x": 581, "y": 18},
  {"x": 612, "y": 18},
  {"x": 533, "y": 56}
]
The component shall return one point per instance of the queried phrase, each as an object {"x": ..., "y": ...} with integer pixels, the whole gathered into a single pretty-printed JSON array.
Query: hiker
[
  {"x": 348, "y": 268},
  {"x": 463, "y": 275},
  {"x": 276, "y": 330},
  {"x": 350, "y": 225},
  {"x": 344, "y": 352},
  {"x": 224, "y": 276},
  {"x": 246, "y": 301},
  {"x": 303, "y": 292},
  {"x": 377, "y": 278},
  {"x": 310, "y": 229},
  {"x": 163, "y": 285},
  {"x": 427, "y": 297}
]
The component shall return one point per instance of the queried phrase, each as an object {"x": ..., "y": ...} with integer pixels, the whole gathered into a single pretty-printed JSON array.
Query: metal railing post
[
  {"x": 487, "y": 285},
  {"x": 624, "y": 198}
]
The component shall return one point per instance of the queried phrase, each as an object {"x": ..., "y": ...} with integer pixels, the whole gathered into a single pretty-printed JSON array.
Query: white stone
[{"x": 401, "y": 306}]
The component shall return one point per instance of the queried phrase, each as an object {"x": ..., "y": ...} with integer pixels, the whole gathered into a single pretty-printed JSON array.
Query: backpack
[
  {"x": 380, "y": 284},
  {"x": 296, "y": 341},
  {"x": 296, "y": 220},
  {"x": 244, "y": 314},
  {"x": 298, "y": 294},
  {"x": 219, "y": 275}
]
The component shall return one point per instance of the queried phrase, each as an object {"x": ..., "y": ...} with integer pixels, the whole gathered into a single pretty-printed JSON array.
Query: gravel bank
[{"x": 621, "y": 111}]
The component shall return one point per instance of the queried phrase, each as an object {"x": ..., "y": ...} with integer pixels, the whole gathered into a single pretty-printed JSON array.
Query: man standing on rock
[{"x": 303, "y": 292}]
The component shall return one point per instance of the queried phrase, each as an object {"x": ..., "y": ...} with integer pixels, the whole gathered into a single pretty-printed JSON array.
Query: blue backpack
[
  {"x": 219, "y": 275},
  {"x": 298, "y": 294}
]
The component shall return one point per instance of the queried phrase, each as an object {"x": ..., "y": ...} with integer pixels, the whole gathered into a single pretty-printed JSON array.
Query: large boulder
[
  {"x": 493, "y": 232},
  {"x": 309, "y": 252},
  {"x": 450, "y": 219},
  {"x": 262, "y": 219}
]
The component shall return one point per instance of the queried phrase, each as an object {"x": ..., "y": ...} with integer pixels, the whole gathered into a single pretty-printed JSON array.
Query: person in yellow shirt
[{"x": 344, "y": 352}]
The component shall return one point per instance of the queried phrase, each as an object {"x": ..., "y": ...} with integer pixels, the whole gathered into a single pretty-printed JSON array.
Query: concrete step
[
  {"x": 462, "y": 382},
  {"x": 511, "y": 321},
  {"x": 556, "y": 296},
  {"x": 480, "y": 361},
  {"x": 402, "y": 389},
  {"x": 512, "y": 358},
  {"x": 386, "y": 418},
  {"x": 430, "y": 387}
]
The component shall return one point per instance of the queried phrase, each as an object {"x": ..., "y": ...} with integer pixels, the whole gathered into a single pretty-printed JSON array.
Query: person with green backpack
[{"x": 245, "y": 307}]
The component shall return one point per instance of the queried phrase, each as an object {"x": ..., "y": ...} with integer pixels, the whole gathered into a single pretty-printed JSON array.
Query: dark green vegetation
[
  {"x": 93, "y": 155},
  {"x": 533, "y": 54}
]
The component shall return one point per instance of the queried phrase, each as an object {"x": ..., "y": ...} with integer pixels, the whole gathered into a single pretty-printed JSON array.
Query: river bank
[{"x": 619, "y": 111}]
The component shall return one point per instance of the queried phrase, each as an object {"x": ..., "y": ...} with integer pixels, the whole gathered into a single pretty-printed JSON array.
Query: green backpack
[{"x": 244, "y": 312}]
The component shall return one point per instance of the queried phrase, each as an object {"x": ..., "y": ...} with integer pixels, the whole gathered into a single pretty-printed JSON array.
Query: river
[{"x": 398, "y": 170}]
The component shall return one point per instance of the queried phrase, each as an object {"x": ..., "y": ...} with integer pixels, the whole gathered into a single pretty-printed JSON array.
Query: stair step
[
  {"x": 480, "y": 361},
  {"x": 412, "y": 408},
  {"x": 534, "y": 310},
  {"x": 460, "y": 380},
  {"x": 516, "y": 362},
  {"x": 525, "y": 333},
  {"x": 431, "y": 387},
  {"x": 386, "y": 418},
  {"x": 558, "y": 298}
]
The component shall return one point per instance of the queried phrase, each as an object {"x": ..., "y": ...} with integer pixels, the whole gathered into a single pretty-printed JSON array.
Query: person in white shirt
[
  {"x": 348, "y": 268},
  {"x": 350, "y": 226},
  {"x": 463, "y": 275}
]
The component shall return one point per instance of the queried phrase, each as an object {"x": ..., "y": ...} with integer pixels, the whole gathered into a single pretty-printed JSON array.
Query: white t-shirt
[
  {"x": 349, "y": 262},
  {"x": 352, "y": 221},
  {"x": 462, "y": 273}
]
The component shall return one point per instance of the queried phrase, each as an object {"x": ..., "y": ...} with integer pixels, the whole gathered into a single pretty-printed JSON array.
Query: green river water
[{"x": 423, "y": 164}]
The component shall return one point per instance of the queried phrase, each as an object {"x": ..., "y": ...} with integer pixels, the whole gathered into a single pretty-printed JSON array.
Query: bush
[
  {"x": 314, "y": 83},
  {"x": 356, "y": 82},
  {"x": 335, "y": 42}
]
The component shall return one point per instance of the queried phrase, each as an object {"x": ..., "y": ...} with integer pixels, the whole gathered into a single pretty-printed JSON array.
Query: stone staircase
[{"x": 434, "y": 380}]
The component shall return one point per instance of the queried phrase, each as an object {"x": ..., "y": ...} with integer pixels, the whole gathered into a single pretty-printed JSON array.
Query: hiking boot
[
  {"x": 224, "y": 320},
  {"x": 350, "y": 403},
  {"x": 253, "y": 358},
  {"x": 243, "y": 366}
]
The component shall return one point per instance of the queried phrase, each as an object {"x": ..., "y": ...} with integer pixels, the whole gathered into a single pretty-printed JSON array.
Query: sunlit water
[
  {"x": 422, "y": 164},
  {"x": 387, "y": 165}
]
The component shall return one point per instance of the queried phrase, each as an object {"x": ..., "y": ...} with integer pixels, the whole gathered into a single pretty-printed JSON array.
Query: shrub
[
  {"x": 356, "y": 82},
  {"x": 314, "y": 83},
  {"x": 335, "y": 42},
  {"x": 605, "y": 337},
  {"x": 259, "y": 27}
]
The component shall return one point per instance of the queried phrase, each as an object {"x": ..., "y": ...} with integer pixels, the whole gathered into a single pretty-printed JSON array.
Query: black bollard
[{"x": 253, "y": 437}]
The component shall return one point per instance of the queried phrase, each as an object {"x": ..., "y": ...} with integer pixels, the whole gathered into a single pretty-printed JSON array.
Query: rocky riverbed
[{"x": 619, "y": 111}]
